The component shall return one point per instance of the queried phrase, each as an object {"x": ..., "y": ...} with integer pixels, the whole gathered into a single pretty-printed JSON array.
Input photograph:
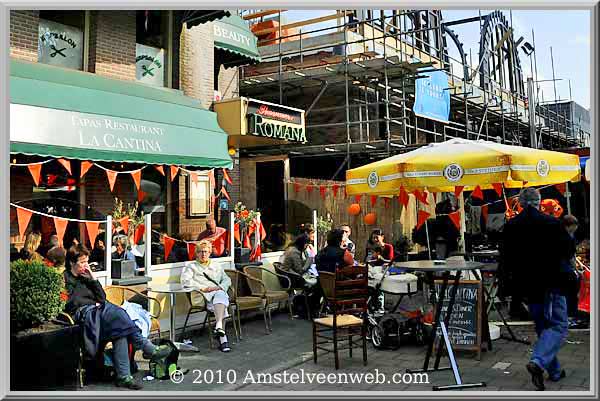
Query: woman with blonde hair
[
  {"x": 29, "y": 250},
  {"x": 212, "y": 283}
]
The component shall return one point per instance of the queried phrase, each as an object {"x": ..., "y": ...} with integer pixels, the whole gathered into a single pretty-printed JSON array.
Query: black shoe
[
  {"x": 224, "y": 347},
  {"x": 562, "y": 375},
  {"x": 128, "y": 382},
  {"x": 537, "y": 376},
  {"x": 219, "y": 332},
  {"x": 162, "y": 351}
]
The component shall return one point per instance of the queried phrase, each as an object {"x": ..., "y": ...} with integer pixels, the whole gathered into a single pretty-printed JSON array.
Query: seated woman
[
  {"x": 377, "y": 240},
  {"x": 29, "y": 250},
  {"x": 294, "y": 259},
  {"x": 103, "y": 321},
  {"x": 333, "y": 256},
  {"x": 212, "y": 282}
]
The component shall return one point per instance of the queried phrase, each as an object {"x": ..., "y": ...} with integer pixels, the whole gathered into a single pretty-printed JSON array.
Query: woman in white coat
[{"x": 212, "y": 284}]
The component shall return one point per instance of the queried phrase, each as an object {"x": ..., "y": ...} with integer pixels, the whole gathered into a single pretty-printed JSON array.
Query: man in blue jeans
[{"x": 531, "y": 253}]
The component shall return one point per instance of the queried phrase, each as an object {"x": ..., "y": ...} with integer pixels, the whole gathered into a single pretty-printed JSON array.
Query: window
[
  {"x": 61, "y": 38},
  {"x": 152, "y": 44},
  {"x": 199, "y": 194}
]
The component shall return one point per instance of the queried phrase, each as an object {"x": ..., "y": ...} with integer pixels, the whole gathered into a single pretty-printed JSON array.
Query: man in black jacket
[{"x": 531, "y": 255}]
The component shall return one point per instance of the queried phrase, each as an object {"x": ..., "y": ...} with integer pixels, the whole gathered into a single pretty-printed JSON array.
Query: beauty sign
[
  {"x": 149, "y": 65},
  {"x": 60, "y": 45}
]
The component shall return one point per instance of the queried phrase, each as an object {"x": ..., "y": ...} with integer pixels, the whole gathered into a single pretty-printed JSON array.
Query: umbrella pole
[{"x": 427, "y": 234}]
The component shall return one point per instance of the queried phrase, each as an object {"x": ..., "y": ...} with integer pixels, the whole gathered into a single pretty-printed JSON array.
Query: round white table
[{"x": 173, "y": 289}]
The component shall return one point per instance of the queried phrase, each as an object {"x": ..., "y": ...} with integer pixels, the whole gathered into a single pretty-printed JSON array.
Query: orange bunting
[
  {"x": 66, "y": 164},
  {"x": 458, "y": 189},
  {"x": 92, "y": 230},
  {"x": 455, "y": 217},
  {"x": 373, "y": 200},
  {"x": 36, "y": 172},
  {"x": 477, "y": 193},
  {"x": 335, "y": 189},
  {"x": 422, "y": 218},
  {"x": 85, "y": 166},
  {"x": 60, "y": 225},
  {"x": 484, "y": 213},
  {"x": 138, "y": 233},
  {"x": 357, "y": 198},
  {"x": 296, "y": 187},
  {"x": 169, "y": 242},
  {"x": 309, "y": 188},
  {"x": 125, "y": 224},
  {"x": 226, "y": 177},
  {"x": 387, "y": 202},
  {"x": 194, "y": 177},
  {"x": 141, "y": 195},
  {"x": 211, "y": 178},
  {"x": 323, "y": 191},
  {"x": 112, "y": 178},
  {"x": 191, "y": 248},
  {"x": 236, "y": 232},
  {"x": 137, "y": 178},
  {"x": 498, "y": 188},
  {"x": 174, "y": 171},
  {"x": 160, "y": 169},
  {"x": 403, "y": 197},
  {"x": 421, "y": 196},
  {"x": 23, "y": 217},
  {"x": 562, "y": 188},
  {"x": 225, "y": 194}
]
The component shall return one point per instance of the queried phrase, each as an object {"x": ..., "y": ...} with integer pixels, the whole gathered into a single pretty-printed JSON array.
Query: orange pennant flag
[
  {"x": 112, "y": 178},
  {"x": 169, "y": 242},
  {"x": 455, "y": 217},
  {"x": 335, "y": 189},
  {"x": 174, "y": 171},
  {"x": 92, "y": 230},
  {"x": 422, "y": 218},
  {"x": 477, "y": 193},
  {"x": 236, "y": 232},
  {"x": 194, "y": 177},
  {"x": 225, "y": 194},
  {"x": 323, "y": 191},
  {"x": 373, "y": 200},
  {"x": 309, "y": 188},
  {"x": 61, "y": 226},
  {"x": 23, "y": 217},
  {"x": 562, "y": 188},
  {"x": 457, "y": 190},
  {"x": 160, "y": 169},
  {"x": 125, "y": 224},
  {"x": 357, "y": 198},
  {"x": 403, "y": 197},
  {"x": 36, "y": 172},
  {"x": 211, "y": 178},
  {"x": 387, "y": 202},
  {"x": 191, "y": 248},
  {"x": 137, "y": 178},
  {"x": 138, "y": 233},
  {"x": 484, "y": 213},
  {"x": 226, "y": 177},
  {"x": 421, "y": 196},
  {"x": 141, "y": 195},
  {"x": 296, "y": 187},
  {"x": 85, "y": 166},
  {"x": 66, "y": 164},
  {"x": 498, "y": 188}
]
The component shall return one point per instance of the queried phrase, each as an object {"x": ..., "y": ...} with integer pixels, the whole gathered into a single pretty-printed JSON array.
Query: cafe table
[
  {"x": 445, "y": 267},
  {"x": 173, "y": 289}
]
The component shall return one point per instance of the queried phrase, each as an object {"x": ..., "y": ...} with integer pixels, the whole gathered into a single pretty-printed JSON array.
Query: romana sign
[{"x": 275, "y": 121}]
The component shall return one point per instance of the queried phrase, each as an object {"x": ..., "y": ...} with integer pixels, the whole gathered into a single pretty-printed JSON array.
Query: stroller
[{"x": 393, "y": 328}]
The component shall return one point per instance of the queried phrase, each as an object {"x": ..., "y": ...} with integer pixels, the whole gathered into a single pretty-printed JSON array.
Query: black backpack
[{"x": 162, "y": 368}]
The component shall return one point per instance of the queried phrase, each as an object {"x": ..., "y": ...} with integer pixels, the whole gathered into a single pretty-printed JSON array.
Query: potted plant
[
  {"x": 324, "y": 225},
  {"x": 44, "y": 352},
  {"x": 244, "y": 218}
]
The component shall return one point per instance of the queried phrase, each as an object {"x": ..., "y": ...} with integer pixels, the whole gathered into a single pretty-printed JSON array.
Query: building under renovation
[{"x": 355, "y": 73}]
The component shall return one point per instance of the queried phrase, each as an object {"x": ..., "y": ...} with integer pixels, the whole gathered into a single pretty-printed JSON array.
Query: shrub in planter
[{"x": 37, "y": 294}]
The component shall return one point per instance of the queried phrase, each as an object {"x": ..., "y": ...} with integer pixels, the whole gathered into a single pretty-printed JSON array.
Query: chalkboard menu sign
[{"x": 464, "y": 329}]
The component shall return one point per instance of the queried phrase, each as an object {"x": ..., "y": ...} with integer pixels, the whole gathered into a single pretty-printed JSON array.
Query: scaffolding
[{"x": 356, "y": 81}]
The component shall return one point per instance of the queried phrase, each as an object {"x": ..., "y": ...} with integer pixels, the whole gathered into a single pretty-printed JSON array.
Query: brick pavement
[{"x": 289, "y": 349}]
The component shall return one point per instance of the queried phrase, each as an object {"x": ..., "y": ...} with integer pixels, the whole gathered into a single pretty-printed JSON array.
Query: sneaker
[
  {"x": 537, "y": 376},
  {"x": 224, "y": 347},
  {"x": 128, "y": 382},
  {"x": 561, "y": 375},
  {"x": 219, "y": 332},
  {"x": 162, "y": 351}
]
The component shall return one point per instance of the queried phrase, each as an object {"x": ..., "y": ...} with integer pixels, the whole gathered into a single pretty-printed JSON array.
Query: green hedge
[{"x": 36, "y": 294}]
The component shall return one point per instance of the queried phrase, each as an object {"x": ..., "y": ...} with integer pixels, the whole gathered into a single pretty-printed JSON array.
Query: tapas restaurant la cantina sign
[{"x": 275, "y": 121}]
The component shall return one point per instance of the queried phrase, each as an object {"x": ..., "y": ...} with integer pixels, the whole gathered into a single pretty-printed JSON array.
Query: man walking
[{"x": 531, "y": 255}]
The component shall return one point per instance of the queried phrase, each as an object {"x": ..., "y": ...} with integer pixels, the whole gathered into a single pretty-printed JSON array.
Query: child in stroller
[{"x": 397, "y": 326}]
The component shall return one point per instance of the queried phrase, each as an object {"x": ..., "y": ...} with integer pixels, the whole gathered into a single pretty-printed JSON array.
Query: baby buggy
[{"x": 389, "y": 329}]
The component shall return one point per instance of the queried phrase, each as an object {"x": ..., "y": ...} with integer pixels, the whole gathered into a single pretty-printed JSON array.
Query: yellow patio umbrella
[{"x": 440, "y": 167}]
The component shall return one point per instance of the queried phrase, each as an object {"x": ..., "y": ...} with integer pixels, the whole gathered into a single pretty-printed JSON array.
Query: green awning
[
  {"x": 63, "y": 113},
  {"x": 234, "y": 42},
  {"x": 196, "y": 17}
]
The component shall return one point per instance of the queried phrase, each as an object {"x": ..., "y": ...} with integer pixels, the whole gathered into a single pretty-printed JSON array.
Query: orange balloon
[
  {"x": 370, "y": 219},
  {"x": 354, "y": 209}
]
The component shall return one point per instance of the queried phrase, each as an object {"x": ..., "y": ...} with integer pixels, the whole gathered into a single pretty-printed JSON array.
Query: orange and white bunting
[
  {"x": 112, "y": 178},
  {"x": 23, "y": 217},
  {"x": 422, "y": 218},
  {"x": 36, "y": 172},
  {"x": 194, "y": 177},
  {"x": 137, "y": 178},
  {"x": 92, "y": 230},
  {"x": 169, "y": 242},
  {"x": 160, "y": 169},
  {"x": 66, "y": 164},
  {"x": 455, "y": 217},
  {"x": 60, "y": 225},
  {"x": 174, "y": 171},
  {"x": 85, "y": 166}
]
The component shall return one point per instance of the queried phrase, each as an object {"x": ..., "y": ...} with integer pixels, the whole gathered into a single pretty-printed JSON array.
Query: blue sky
[{"x": 567, "y": 31}]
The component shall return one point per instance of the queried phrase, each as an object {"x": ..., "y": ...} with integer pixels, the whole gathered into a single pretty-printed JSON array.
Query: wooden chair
[
  {"x": 346, "y": 294},
  {"x": 271, "y": 296},
  {"x": 296, "y": 284},
  {"x": 117, "y": 294},
  {"x": 248, "y": 302}
]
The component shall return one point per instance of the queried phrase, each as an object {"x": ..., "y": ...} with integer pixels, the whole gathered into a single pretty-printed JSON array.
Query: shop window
[
  {"x": 152, "y": 44},
  {"x": 61, "y": 38},
  {"x": 198, "y": 196}
]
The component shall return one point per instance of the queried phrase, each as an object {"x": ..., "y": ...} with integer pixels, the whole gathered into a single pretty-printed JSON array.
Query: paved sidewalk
[{"x": 288, "y": 350}]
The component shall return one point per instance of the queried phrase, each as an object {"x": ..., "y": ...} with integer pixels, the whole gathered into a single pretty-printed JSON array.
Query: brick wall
[
  {"x": 24, "y": 35},
  {"x": 196, "y": 63},
  {"x": 98, "y": 194},
  {"x": 113, "y": 48}
]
